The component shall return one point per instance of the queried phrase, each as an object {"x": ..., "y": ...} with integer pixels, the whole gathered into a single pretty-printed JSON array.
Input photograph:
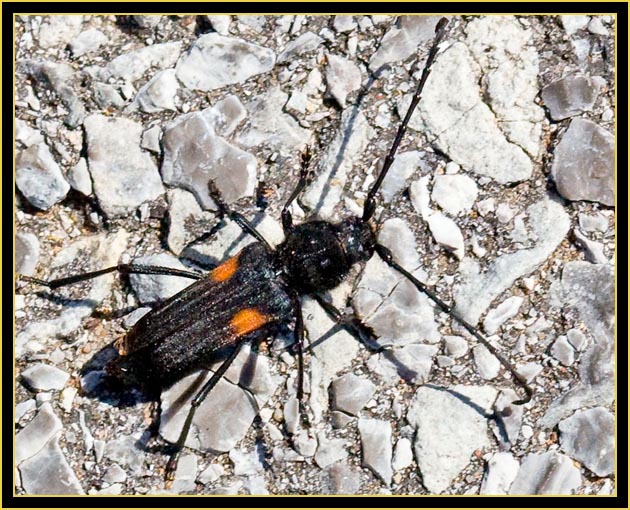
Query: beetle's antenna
[
  {"x": 370, "y": 202},
  {"x": 388, "y": 258}
]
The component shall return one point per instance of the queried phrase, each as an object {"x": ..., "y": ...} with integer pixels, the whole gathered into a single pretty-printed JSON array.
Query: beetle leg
[
  {"x": 171, "y": 465},
  {"x": 388, "y": 258},
  {"x": 240, "y": 220},
  {"x": 298, "y": 335},
  {"x": 121, "y": 268},
  {"x": 287, "y": 220}
]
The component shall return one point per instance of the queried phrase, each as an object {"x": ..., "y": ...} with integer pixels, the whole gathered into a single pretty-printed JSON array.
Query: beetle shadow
[
  {"x": 347, "y": 134},
  {"x": 494, "y": 416},
  {"x": 97, "y": 384},
  {"x": 208, "y": 262},
  {"x": 409, "y": 374},
  {"x": 67, "y": 302}
]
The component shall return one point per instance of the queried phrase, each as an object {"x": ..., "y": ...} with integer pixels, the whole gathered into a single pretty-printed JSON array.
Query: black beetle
[{"x": 248, "y": 296}]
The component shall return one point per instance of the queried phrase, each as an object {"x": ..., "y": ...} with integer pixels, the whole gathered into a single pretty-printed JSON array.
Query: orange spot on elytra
[
  {"x": 225, "y": 270},
  {"x": 247, "y": 320}
]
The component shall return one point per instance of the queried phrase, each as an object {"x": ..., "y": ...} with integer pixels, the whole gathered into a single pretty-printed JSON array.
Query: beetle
[{"x": 251, "y": 294}]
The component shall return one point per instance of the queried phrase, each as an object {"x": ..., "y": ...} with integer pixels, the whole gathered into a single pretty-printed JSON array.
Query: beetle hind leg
[{"x": 171, "y": 465}]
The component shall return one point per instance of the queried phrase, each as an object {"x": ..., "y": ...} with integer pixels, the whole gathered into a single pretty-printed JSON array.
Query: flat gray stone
[
  {"x": 220, "y": 23},
  {"x": 123, "y": 451},
  {"x": 133, "y": 65},
  {"x": 330, "y": 450},
  {"x": 448, "y": 430},
  {"x": 27, "y": 135},
  {"x": 39, "y": 178},
  {"x": 226, "y": 414},
  {"x": 124, "y": 176},
  {"x": 107, "y": 96},
  {"x": 502, "y": 313},
  {"x": 593, "y": 250},
  {"x": 39, "y": 431},
  {"x": 88, "y": 41},
  {"x": 194, "y": 153},
  {"x": 500, "y": 473},
  {"x": 589, "y": 288},
  {"x": 386, "y": 301},
  {"x": 79, "y": 177},
  {"x": 456, "y": 119},
  {"x": 510, "y": 70},
  {"x": 330, "y": 357},
  {"x": 246, "y": 463},
  {"x": 115, "y": 474},
  {"x": 509, "y": 418},
  {"x": 26, "y": 253},
  {"x": 48, "y": 472},
  {"x": 574, "y": 23},
  {"x": 214, "y": 61},
  {"x": 570, "y": 96},
  {"x": 456, "y": 346},
  {"x": 583, "y": 163},
  {"x": 577, "y": 339},
  {"x": 454, "y": 193},
  {"x": 61, "y": 79},
  {"x": 158, "y": 93},
  {"x": 376, "y": 447},
  {"x": 396, "y": 234},
  {"x": 563, "y": 351},
  {"x": 230, "y": 239},
  {"x": 344, "y": 24},
  {"x": 488, "y": 365},
  {"x": 546, "y": 473},
  {"x": 589, "y": 437},
  {"x": 267, "y": 124},
  {"x": 392, "y": 306},
  {"x": 44, "y": 377},
  {"x": 403, "y": 167},
  {"x": 305, "y": 444},
  {"x": 403, "y": 454},
  {"x": 251, "y": 371},
  {"x": 403, "y": 40},
  {"x": 187, "y": 220},
  {"x": 305, "y": 43},
  {"x": 343, "y": 77},
  {"x": 58, "y": 30},
  {"x": 446, "y": 233},
  {"x": 211, "y": 474},
  {"x": 343, "y": 479},
  {"x": 351, "y": 393},
  {"x": 412, "y": 362}
]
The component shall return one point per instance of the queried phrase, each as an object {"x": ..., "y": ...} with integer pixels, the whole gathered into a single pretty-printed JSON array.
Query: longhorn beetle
[{"x": 249, "y": 295}]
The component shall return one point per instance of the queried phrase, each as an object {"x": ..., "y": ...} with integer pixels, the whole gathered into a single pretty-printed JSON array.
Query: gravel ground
[{"x": 502, "y": 198}]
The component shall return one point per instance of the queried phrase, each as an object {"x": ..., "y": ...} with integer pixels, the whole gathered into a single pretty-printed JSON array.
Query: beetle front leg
[
  {"x": 287, "y": 219},
  {"x": 240, "y": 220},
  {"x": 298, "y": 335}
]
